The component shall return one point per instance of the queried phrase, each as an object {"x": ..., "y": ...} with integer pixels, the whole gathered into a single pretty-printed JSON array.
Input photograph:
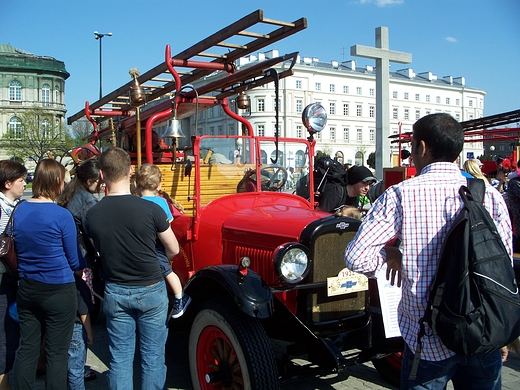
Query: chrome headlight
[{"x": 291, "y": 262}]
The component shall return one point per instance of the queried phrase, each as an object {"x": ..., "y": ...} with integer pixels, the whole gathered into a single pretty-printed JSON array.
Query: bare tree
[
  {"x": 39, "y": 136},
  {"x": 80, "y": 130}
]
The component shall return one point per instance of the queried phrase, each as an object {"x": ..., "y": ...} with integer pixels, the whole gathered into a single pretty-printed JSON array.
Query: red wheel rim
[
  {"x": 217, "y": 361},
  {"x": 395, "y": 360}
]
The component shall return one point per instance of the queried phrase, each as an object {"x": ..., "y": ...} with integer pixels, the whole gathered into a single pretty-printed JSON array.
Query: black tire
[
  {"x": 390, "y": 368},
  {"x": 229, "y": 347}
]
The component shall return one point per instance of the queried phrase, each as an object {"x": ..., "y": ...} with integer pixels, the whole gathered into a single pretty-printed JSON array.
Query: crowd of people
[
  {"x": 62, "y": 230},
  {"x": 59, "y": 233}
]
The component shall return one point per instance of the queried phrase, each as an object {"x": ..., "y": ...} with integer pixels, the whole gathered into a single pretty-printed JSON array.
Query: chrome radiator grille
[{"x": 328, "y": 260}]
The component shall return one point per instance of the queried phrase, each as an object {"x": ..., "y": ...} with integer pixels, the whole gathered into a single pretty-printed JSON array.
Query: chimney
[
  {"x": 428, "y": 76},
  {"x": 460, "y": 80},
  {"x": 315, "y": 59},
  {"x": 408, "y": 72},
  {"x": 271, "y": 54},
  {"x": 350, "y": 64},
  {"x": 307, "y": 60},
  {"x": 261, "y": 57},
  {"x": 334, "y": 64},
  {"x": 370, "y": 68}
]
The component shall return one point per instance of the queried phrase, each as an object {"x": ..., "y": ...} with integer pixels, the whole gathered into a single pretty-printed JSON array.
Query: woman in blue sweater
[{"x": 48, "y": 253}]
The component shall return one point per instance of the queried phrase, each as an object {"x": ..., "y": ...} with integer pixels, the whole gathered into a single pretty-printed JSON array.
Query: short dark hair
[
  {"x": 10, "y": 171},
  {"x": 442, "y": 134},
  {"x": 115, "y": 164},
  {"x": 48, "y": 179}
]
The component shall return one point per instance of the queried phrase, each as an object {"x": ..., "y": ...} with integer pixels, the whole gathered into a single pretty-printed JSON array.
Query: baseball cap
[{"x": 359, "y": 173}]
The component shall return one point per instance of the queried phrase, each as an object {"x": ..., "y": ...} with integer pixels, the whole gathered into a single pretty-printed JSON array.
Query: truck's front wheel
[{"x": 230, "y": 350}]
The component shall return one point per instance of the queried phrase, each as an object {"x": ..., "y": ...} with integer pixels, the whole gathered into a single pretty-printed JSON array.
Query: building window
[
  {"x": 438, "y": 99},
  {"x": 231, "y": 129},
  {"x": 395, "y": 113},
  {"x": 260, "y": 130},
  {"x": 332, "y": 88},
  {"x": 345, "y": 133},
  {"x": 15, "y": 91},
  {"x": 394, "y": 94},
  {"x": 332, "y": 133},
  {"x": 406, "y": 95},
  {"x": 457, "y": 102},
  {"x": 298, "y": 84},
  {"x": 345, "y": 109},
  {"x": 427, "y": 98},
  {"x": 57, "y": 95},
  {"x": 417, "y": 97},
  {"x": 277, "y": 105},
  {"x": 406, "y": 114},
  {"x": 359, "y": 135},
  {"x": 359, "y": 91},
  {"x": 317, "y": 87},
  {"x": 46, "y": 94},
  {"x": 299, "y": 132},
  {"x": 372, "y": 111},
  {"x": 220, "y": 130},
  {"x": 457, "y": 117},
  {"x": 470, "y": 102},
  {"x": 428, "y": 112},
  {"x": 299, "y": 105},
  {"x": 45, "y": 129},
  {"x": 318, "y": 135},
  {"x": 359, "y": 110},
  {"x": 417, "y": 114},
  {"x": 261, "y": 105},
  {"x": 372, "y": 91},
  {"x": 447, "y": 100},
  {"x": 332, "y": 108},
  {"x": 372, "y": 134},
  {"x": 15, "y": 127},
  {"x": 212, "y": 130},
  {"x": 345, "y": 89}
]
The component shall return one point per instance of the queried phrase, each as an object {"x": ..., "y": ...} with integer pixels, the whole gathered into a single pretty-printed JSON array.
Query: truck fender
[{"x": 247, "y": 290}]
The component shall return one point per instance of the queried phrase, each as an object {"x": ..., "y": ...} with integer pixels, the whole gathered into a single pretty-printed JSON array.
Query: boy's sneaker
[{"x": 179, "y": 306}]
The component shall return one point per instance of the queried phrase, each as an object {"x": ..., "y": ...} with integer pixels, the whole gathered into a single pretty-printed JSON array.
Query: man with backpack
[{"x": 420, "y": 212}]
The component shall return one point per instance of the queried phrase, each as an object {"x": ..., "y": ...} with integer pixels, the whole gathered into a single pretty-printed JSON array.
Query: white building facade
[{"x": 347, "y": 92}]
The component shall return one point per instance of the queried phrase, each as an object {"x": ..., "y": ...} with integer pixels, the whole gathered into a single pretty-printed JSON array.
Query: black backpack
[
  {"x": 328, "y": 173},
  {"x": 474, "y": 305}
]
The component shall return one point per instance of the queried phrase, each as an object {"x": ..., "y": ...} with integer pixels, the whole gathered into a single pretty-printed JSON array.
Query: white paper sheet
[{"x": 389, "y": 296}]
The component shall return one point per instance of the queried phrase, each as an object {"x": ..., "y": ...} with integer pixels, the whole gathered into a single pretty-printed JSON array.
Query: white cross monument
[{"x": 383, "y": 56}]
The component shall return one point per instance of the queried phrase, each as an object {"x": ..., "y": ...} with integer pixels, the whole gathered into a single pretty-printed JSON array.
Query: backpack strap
[{"x": 477, "y": 189}]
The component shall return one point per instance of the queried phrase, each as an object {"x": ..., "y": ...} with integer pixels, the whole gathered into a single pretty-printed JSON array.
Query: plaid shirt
[{"x": 420, "y": 212}]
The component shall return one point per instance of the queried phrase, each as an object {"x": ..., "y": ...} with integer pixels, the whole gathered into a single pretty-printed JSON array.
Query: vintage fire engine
[{"x": 271, "y": 296}]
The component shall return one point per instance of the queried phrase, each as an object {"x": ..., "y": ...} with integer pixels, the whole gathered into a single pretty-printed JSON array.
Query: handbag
[{"x": 7, "y": 250}]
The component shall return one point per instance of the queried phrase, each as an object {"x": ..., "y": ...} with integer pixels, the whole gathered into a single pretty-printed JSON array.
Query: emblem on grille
[{"x": 342, "y": 225}]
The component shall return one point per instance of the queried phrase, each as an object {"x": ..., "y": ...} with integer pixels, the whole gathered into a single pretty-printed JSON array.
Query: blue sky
[{"x": 477, "y": 39}]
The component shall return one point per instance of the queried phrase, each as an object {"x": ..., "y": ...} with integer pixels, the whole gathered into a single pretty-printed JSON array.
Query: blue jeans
[
  {"x": 131, "y": 308},
  {"x": 77, "y": 358},
  {"x": 466, "y": 372}
]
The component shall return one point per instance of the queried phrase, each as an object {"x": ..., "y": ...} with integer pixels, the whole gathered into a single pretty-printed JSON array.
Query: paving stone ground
[{"x": 360, "y": 377}]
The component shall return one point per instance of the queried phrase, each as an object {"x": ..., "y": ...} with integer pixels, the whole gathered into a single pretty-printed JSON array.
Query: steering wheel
[{"x": 272, "y": 178}]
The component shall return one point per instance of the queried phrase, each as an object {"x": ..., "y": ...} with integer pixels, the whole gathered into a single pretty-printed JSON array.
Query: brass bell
[{"x": 243, "y": 101}]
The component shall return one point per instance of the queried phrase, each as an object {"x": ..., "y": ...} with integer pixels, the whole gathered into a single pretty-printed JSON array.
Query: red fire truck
[{"x": 271, "y": 296}]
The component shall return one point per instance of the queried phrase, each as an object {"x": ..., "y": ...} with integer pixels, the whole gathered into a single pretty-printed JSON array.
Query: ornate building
[
  {"x": 347, "y": 92},
  {"x": 28, "y": 81}
]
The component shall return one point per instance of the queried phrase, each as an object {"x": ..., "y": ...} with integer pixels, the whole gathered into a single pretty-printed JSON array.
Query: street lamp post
[{"x": 100, "y": 37}]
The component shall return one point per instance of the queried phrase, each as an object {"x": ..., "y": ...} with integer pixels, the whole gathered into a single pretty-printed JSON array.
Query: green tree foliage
[{"x": 39, "y": 136}]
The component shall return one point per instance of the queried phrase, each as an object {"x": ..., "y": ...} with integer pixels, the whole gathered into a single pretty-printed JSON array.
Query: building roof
[{"x": 17, "y": 60}]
